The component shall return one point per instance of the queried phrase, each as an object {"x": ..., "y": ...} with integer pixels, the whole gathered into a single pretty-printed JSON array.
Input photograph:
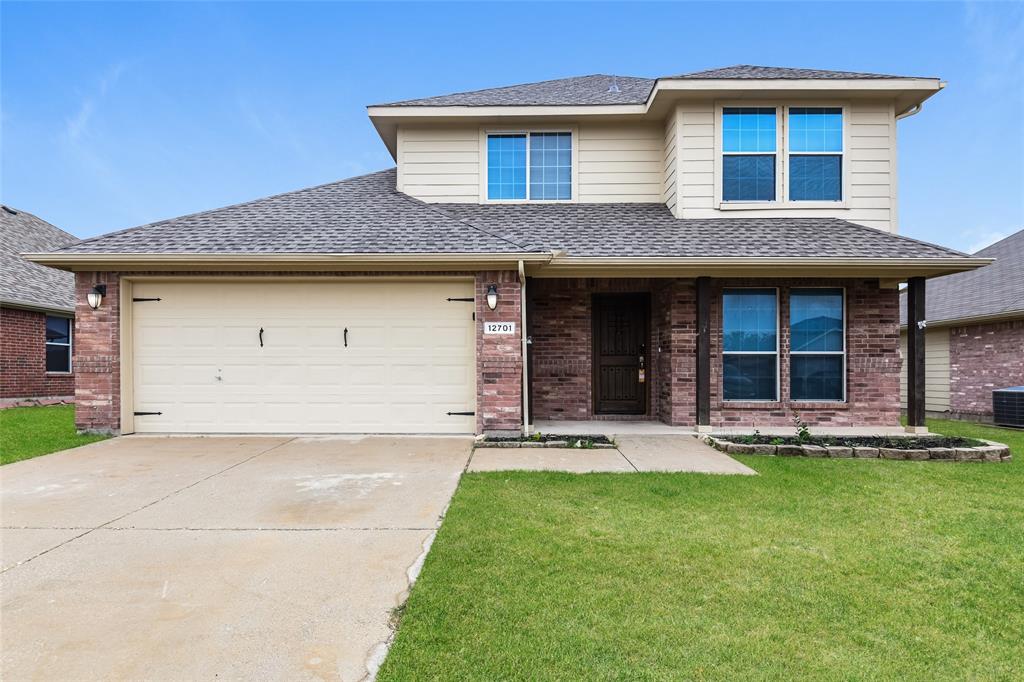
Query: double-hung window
[
  {"x": 750, "y": 344},
  {"x": 815, "y": 154},
  {"x": 748, "y": 149},
  {"x": 534, "y": 166},
  {"x": 817, "y": 344},
  {"x": 58, "y": 344}
]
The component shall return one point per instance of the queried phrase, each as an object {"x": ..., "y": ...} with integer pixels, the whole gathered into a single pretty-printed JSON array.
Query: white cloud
[{"x": 78, "y": 124}]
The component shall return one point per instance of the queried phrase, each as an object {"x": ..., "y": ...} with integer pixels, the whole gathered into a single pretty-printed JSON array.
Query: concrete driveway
[{"x": 229, "y": 557}]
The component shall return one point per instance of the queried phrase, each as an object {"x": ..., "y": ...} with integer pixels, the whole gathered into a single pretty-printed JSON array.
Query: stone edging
[
  {"x": 539, "y": 444},
  {"x": 992, "y": 452}
]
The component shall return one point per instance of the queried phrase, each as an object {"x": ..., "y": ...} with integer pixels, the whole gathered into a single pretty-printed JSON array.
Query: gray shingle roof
[
  {"x": 750, "y": 72},
  {"x": 598, "y": 89},
  {"x": 364, "y": 214},
  {"x": 580, "y": 90},
  {"x": 995, "y": 289},
  {"x": 367, "y": 215},
  {"x": 650, "y": 230},
  {"x": 29, "y": 284}
]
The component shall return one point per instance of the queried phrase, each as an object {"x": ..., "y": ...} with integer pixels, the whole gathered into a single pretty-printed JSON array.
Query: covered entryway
[{"x": 272, "y": 356}]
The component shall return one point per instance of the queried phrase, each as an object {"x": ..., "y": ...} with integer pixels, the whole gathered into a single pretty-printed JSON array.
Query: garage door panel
[{"x": 409, "y": 360}]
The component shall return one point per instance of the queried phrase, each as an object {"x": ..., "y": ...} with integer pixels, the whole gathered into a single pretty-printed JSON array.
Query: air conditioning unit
[{"x": 1008, "y": 406}]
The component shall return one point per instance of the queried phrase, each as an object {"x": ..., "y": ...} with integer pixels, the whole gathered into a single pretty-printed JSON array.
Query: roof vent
[
  {"x": 614, "y": 87},
  {"x": 10, "y": 210}
]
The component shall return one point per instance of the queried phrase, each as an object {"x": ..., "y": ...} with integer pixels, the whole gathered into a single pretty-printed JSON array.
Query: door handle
[
  {"x": 261, "y": 337},
  {"x": 346, "y": 337}
]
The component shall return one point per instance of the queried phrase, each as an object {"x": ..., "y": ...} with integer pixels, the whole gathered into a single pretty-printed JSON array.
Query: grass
[
  {"x": 27, "y": 432},
  {"x": 819, "y": 569}
]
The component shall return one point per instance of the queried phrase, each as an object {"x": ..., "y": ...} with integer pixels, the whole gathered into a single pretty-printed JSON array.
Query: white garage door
[{"x": 333, "y": 357}]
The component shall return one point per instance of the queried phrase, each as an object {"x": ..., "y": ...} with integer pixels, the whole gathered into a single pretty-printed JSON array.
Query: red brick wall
[
  {"x": 677, "y": 353},
  {"x": 984, "y": 357},
  {"x": 23, "y": 372},
  {"x": 98, "y": 355},
  {"x": 873, "y": 361},
  {"x": 562, "y": 335},
  {"x": 499, "y": 357}
]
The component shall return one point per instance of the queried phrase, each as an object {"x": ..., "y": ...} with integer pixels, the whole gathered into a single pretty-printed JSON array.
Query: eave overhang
[
  {"x": 972, "y": 319},
  {"x": 36, "y": 307}
]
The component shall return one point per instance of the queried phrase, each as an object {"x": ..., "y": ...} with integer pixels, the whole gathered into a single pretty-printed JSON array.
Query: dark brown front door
[{"x": 620, "y": 353}]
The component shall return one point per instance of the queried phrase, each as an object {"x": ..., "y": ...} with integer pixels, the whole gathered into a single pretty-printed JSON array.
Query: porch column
[
  {"x": 915, "y": 353},
  {"x": 704, "y": 354}
]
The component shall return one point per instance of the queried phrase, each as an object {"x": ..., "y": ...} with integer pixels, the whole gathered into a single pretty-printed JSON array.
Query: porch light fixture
[
  {"x": 492, "y": 296},
  {"x": 95, "y": 297}
]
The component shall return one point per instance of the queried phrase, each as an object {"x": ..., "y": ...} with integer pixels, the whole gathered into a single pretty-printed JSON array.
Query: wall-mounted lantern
[
  {"x": 95, "y": 297},
  {"x": 492, "y": 296}
]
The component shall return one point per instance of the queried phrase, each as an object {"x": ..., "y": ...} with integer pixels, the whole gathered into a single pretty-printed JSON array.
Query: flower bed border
[
  {"x": 991, "y": 452},
  {"x": 557, "y": 443}
]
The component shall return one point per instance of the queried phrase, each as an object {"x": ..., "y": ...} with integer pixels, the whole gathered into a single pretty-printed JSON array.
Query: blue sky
[{"x": 118, "y": 114}]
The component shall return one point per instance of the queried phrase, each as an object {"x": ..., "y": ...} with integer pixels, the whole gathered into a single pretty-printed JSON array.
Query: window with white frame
[
  {"x": 817, "y": 342},
  {"x": 534, "y": 166},
  {"x": 750, "y": 344},
  {"x": 815, "y": 149},
  {"x": 811, "y": 156},
  {"x": 58, "y": 344}
]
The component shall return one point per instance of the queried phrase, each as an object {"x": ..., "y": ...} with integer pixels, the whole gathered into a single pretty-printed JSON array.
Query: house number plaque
[{"x": 499, "y": 327}]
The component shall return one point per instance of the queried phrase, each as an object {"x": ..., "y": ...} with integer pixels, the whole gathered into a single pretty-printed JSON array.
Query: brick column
[
  {"x": 97, "y": 348},
  {"x": 499, "y": 357}
]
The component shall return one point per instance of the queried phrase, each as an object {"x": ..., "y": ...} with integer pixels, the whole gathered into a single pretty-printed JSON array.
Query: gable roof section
[
  {"x": 363, "y": 214},
  {"x": 994, "y": 290},
  {"x": 602, "y": 89},
  {"x": 27, "y": 284}
]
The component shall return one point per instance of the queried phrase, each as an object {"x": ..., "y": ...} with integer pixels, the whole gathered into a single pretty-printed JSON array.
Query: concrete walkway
[
  {"x": 221, "y": 557},
  {"x": 634, "y": 453}
]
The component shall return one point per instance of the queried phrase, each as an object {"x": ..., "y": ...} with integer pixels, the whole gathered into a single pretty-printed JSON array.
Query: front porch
[{"x": 605, "y": 427}]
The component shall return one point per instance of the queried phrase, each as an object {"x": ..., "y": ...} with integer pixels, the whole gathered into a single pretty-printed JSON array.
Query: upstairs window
[
  {"x": 534, "y": 165},
  {"x": 815, "y": 154},
  {"x": 750, "y": 344},
  {"x": 748, "y": 146},
  {"x": 58, "y": 344}
]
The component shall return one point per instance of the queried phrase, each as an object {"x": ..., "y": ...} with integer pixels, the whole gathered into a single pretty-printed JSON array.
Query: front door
[{"x": 620, "y": 353}]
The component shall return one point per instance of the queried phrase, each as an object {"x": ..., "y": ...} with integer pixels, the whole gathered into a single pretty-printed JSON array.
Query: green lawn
[
  {"x": 27, "y": 432},
  {"x": 821, "y": 569}
]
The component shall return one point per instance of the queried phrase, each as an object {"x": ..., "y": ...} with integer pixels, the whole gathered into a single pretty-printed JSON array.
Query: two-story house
[{"x": 708, "y": 249}]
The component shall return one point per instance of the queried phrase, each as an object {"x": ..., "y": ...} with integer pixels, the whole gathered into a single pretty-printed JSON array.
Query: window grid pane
[
  {"x": 816, "y": 377},
  {"x": 749, "y": 320},
  {"x": 748, "y": 129},
  {"x": 815, "y": 129},
  {"x": 815, "y": 178},
  {"x": 748, "y": 178},
  {"x": 58, "y": 358},
  {"x": 816, "y": 320},
  {"x": 749, "y": 377},
  {"x": 58, "y": 329},
  {"x": 506, "y": 167},
  {"x": 551, "y": 166}
]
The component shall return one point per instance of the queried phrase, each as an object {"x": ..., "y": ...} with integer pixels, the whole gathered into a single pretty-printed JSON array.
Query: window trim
[
  {"x": 529, "y": 130},
  {"x": 782, "y": 154},
  {"x": 69, "y": 344},
  {"x": 777, "y": 352},
  {"x": 844, "y": 352}
]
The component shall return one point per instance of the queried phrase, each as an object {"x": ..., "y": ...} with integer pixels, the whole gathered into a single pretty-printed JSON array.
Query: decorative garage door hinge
[
  {"x": 144, "y": 414},
  {"x": 142, "y": 300},
  {"x": 469, "y": 299},
  {"x": 461, "y": 414}
]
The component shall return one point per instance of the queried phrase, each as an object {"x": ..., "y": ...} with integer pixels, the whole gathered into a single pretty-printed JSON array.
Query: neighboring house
[
  {"x": 37, "y": 314},
  {"x": 974, "y": 340},
  {"x": 709, "y": 249}
]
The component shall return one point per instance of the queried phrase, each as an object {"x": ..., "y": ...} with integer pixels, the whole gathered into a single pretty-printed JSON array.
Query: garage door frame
[{"x": 126, "y": 321}]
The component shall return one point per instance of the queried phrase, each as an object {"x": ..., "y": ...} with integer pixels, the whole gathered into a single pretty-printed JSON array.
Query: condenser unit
[{"x": 1008, "y": 406}]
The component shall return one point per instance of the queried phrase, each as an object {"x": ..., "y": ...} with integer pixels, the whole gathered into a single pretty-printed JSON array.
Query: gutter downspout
[{"x": 526, "y": 345}]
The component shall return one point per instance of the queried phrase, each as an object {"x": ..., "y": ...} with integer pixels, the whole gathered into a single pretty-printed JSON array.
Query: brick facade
[
  {"x": 560, "y": 313},
  {"x": 984, "y": 357},
  {"x": 98, "y": 355},
  {"x": 499, "y": 357},
  {"x": 23, "y": 375}
]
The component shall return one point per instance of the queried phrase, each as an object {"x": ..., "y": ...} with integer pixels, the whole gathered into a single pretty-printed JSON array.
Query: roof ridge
[
  {"x": 1008, "y": 237},
  {"x": 208, "y": 211},
  {"x": 21, "y": 211}
]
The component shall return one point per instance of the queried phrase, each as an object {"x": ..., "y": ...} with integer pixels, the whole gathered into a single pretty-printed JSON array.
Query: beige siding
[
  {"x": 936, "y": 374},
  {"x": 870, "y": 160},
  {"x": 670, "y": 194},
  {"x": 440, "y": 164}
]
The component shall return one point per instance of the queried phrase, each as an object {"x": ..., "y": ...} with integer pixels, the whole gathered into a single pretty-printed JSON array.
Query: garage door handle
[
  {"x": 346, "y": 337},
  {"x": 261, "y": 337}
]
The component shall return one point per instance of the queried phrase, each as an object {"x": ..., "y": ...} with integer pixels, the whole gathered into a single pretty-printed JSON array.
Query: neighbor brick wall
[
  {"x": 98, "y": 355},
  {"x": 984, "y": 357},
  {"x": 499, "y": 357},
  {"x": 873, "y": 361},
  {"x": 23, "y": 374}
]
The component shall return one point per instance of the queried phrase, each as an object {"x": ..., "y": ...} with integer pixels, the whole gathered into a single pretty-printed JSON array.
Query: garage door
[{"x": 303, "y": 357}]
